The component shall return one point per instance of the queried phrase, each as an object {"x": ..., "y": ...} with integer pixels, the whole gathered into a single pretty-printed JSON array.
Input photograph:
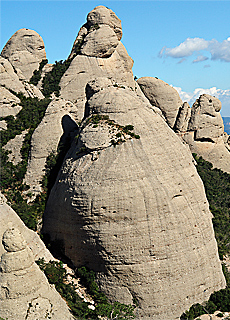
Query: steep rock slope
[
  {"x": 55, "y": 128},
  {"x": 200, "y": 126},
  {"x": 25, "y": 50},
  {"x": 24, "y": 290},
  {"x": 97, "y": 52},
  {"x": 129, "y": 204}
]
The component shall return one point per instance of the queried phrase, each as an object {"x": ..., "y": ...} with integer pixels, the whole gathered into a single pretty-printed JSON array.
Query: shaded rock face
[
  {"x": 10, "y": 219},
  {"x": 99, "y": 54},
  {"x": 24, "y": 290},
  {"x": 25, "y": 50},
  {"x": 134, "y": 209},
  {"x": 56, "y": 127}
]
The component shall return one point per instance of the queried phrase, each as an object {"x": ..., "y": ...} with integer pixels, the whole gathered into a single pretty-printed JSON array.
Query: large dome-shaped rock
[
  {"x": 205, "y": 133},
  {"x": 24, "y": 290},
  {"x": 128, "y": 203},
  {"x": 163, "y": 96},
  {"x": 25, "y": 50}
]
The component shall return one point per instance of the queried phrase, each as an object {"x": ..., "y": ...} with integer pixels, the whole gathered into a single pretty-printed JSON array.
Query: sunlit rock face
[
  {"x": 25, "y": 50},
  {"x": 24, "y": 290},
  {"x": 131, "y": 206}
]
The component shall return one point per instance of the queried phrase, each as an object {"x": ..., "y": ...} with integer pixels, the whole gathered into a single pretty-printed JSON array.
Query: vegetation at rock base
[
  {"x": 12, "y": 175},
  {"x": 37, "y": 73},
  {"x": 217, "y": 187},
  {"x": 56, "y": 274}
]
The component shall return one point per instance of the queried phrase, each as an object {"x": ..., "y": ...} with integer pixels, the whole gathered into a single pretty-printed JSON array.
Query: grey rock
[
  {"x": 24, "y": 290},
  {"x": 183, "y": 118},
  {"x": 14, "y": 146},
  {"x": 205, "y": 134},
  {"x": 25, "y": 50},
  {"x": 100, "y": 43},
  {"x": 162, "y": 96},
  {"x": 128, "y": 211},
  {"x": 58, "y": 122},
  {"x": 102, "y": 15},
  {"x": 9, "y": 103}
]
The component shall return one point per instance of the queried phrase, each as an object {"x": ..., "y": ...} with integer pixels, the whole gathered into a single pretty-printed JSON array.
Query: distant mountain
[{"x": 226, "y": 124}]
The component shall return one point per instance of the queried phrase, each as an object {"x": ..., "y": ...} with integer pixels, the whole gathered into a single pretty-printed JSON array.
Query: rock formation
[
  {"x": 129, "y": 204},
  {"x": 24, "y": 290},
  {"x": 25, "y": 50},
  {"x": 55, "y": 128},
  {"x": 14, "y": 146},
  {"x": 200, "y": 126},
  {"x": 97, "y": 52},
  {"x": 205, "y": 134},
  {"x": 10, "y": 219}
]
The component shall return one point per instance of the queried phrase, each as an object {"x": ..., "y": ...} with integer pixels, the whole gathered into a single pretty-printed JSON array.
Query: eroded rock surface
[
  {"x": 129, "y": 204},
  {"x": 101, "y": 55},
  {"x": 205, "y": 134},
  {"x": 25, "y": 50},
  {"x": 56, "y": 127},
  {"x": 14, "y": 146},
  {"x": 163, "y": 96},
  {"x": 24, "y": 290}
]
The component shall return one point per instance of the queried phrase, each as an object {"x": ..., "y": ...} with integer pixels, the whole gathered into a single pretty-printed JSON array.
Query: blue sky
[{"x": 184, "y": 43}]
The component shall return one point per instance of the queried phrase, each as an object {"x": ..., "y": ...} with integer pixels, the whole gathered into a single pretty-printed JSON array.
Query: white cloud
[
  {"x": 218, "y": 50},
  {"x": 222, "y": 95},
  {"x": 200, "y": 58}
]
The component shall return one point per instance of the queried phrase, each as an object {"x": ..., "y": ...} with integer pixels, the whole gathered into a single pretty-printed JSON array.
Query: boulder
[
  {"x": 162, "y": 96},
  {"x": 129, "y": 204},
  {"x": 24, "y": 290},
  {"x": 25, "y": 50},
  {"x": 100, "y": 43}
]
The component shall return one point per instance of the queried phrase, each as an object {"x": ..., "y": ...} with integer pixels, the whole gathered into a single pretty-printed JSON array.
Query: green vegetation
[
  {"x": 12, "y": 176},
  {"x": 51, "y": 80},
  {"x": 37, "y": 73},
  {"x": 217, "y": 187},
  {"x": 56, "y": 275}
]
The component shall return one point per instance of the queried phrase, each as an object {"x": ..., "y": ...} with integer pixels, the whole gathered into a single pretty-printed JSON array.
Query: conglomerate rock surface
[
  {"x": 24, "y": 290},
  {"x": 200, "y": 126},
  {"x": 128, "y": 203},
  {"x": 25, "y": 50}
]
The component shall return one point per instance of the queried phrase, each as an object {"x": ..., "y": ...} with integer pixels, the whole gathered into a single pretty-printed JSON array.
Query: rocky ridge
[{"x": 200, "y": 126}]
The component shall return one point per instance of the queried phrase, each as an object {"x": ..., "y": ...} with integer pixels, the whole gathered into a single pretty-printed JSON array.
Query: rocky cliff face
[
  {"x": 200, "y": 126},
  {"x": 135, "y": 208},
  {"x": 24, "y": 290}
]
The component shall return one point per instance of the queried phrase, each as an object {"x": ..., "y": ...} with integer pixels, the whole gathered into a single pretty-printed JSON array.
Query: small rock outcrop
[
  {"x": 129, "y": 204},
  {"x": 24, "y": 290},
  {"x": 25, "y": 50},
  {"x": 14, "y": 146},
  {"x": 162, "y": 96},
  {"x": 205, "y": 134}
]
